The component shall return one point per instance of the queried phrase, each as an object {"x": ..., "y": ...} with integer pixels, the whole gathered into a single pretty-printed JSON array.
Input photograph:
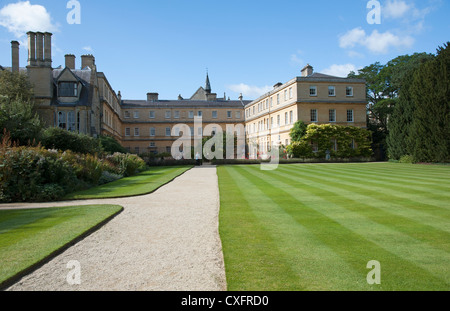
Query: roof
[{"x": 184, "y": 104}]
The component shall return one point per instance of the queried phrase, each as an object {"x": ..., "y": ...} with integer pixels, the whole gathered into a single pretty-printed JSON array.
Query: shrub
[
  {"x": 126, "y": 164},
  {"x": 33, "y": 174},
  {"x": 108, "y": 177},
  {"x": 56, "y": 138},
  {"x": 406, "y": 159},
  {"x": 111, "y": 145}
]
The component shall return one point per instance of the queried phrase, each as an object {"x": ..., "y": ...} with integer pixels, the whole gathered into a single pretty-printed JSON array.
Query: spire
[{"x": 208, "y": 84}]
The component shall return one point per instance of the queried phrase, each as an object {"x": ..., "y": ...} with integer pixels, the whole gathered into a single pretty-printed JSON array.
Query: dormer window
[{"x": 68, "y": 89}]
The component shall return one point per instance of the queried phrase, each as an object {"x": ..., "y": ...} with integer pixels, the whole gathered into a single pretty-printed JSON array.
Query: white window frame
[
  {"x": 332, "y": 115},
  {"x": 350, "y": 112},
  {"x": 347, "y": 89},
  {"x": 332, "y": 88},
  {"x": 311, "y": 88},
  {"x": 314, "y": 116}
]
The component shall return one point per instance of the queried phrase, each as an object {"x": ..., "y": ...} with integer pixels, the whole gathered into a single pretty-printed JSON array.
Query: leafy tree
[
  {"x": 111, "y": 145},
  {"x": 298, "y": 131},
  {"x": 15, "y": 85}
]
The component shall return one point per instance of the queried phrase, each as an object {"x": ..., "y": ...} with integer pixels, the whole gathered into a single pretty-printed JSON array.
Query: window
[
  {"x": 238, "y": 114},
  {"x": 200, "y": 131},
  {"x": 127, "y": 115},
  {"x": 168, "y": 149},
  {"x": 271, "y": 102},
  {"x": 279, "y": 120},
  {"x": 278, "y": 99},
  {"x": 177, "y": 131},
  {"x": 136, "y": 132},
  {"x": 214, "y": 114},
  {"x": 136, "y": 114},
  {"x": 168, "y": 114},
  {"x": 313, "y": 91},
  {"x": 191, "y": 115},
  {"x": 62, "y": 122},
  {"x": 71, "y": 121},
  {"x": 168, "y": 131},
  {"x": 127, "y": 131},
  {"x": 152, "y": 132},
  {"x": 286, "y": 118},
  {"x": 332, "y": 115},
  {"x": 200, "y": 113},
  {"x": 331, "y": 91},
  {"x": 176, "y": 114},
  {"x": 291, "y": 117},
  {"x": 290, "y": 93},
  {"x": 136, "y": 150},
  {"x": 229, "y": 114},
  {"x": 349, "y": 91},
  {"x": 152, "y": 114},
  {"x": 68, "y": 89},
  {"x": 314, "y": 115},
  {"x": 350, "y": 117},
  {"x": 285, "y": 95},
  {"x": 271, "y": 122},
  {"x": 253, "y": 110},
  {"x": 152, "y": 144}
]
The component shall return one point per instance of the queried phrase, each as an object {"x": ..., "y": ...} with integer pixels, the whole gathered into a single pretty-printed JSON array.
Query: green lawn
[
  {"x": 29, "y": 236},
  {"x": 316, "y": 226},
  {"x": 143, "y": 183}
]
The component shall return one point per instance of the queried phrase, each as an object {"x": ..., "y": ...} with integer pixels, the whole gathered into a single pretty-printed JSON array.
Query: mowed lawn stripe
[
  {"x": 408, "y": 209},
  {"x": 354, "y": 199},
  {"x": 358, "y": 239},
  {"x": 388, "y": 172},
  {"x": 388, "y": 193},
  {"x": 252, "y": 259},
  {"x": 302, "y": 252}
]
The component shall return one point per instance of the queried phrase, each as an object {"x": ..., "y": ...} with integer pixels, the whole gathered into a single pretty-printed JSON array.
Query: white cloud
[
  {"x": 21, "y": 17},
  {"x": 87, "y": 48},
  {"x": 376, "y": 42},
  {"x": 249, "y": 91},
  {"x": 339, "y": 70},
  {"x": 396, "y": 8}
]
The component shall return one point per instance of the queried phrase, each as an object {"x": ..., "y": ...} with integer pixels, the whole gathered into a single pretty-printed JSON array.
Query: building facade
[
  {"x": 82, "y": 100},
  {"x": 313, "y": 98}
]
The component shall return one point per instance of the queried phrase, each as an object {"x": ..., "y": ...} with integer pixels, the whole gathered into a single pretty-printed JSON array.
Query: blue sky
[{"x": 247, "y": 46}]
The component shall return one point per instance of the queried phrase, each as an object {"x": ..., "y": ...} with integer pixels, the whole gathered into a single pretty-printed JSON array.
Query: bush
[
  {"x": 108, "y": 177},
  {"x": 126, "y": 164},
  {"x": 56, "y": 138},
  {"x": 406, "y": 159},
  {"x": 111, "y": 145},
  {"x": 33, "y": 174}
]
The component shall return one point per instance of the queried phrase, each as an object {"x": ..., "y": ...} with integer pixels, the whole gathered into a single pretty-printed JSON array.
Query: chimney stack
[
  {"x": 307, "y": 71},
  {"x": 47, "y": 49},
  {"x": 70, "y": 61},
  {"x": 31, "y": 48},
  {"x": 15, "y": 56},
  {"x": 88, "y": 61},
  {"x": 40, "y": 48},
  {"x": 152, "y": 97}
]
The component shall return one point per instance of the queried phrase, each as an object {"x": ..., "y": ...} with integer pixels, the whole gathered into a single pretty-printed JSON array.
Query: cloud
[
  {"x": 379, "y": 43},
  {"x": 396, "y": 8},
  {"x": 340, "y": 70},
  {"x": 87, "y": 48},
  {"x": 21, "y": 17},
  {"x": 249, "y": 91}
]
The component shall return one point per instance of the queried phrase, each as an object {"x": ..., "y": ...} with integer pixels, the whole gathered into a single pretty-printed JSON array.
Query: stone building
[
  {"x": 312, "y": 98},
  {"x": 83, "y": 101}
]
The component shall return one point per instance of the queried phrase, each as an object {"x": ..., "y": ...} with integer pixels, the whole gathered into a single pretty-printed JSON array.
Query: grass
[
  {"x": 28, "y": 237},
  {"x": 143, "y": 183},
  {"x": 316, "y": 226}
]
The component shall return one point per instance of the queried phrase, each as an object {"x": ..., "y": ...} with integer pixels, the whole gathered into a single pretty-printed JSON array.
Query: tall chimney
[
  {"x": 15, "y": 56},
  {"x": 40, "y": 48},
  {"x": 152, "y": 97},
  {"x": 70, "y": 61},
  {"x": 88, "y": 61},
  {"x": 48, "y": 49},
  {"x": 31, "y": 48}
]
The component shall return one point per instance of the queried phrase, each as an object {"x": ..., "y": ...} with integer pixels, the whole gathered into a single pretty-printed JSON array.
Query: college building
[{"x": 82, "y": 100}]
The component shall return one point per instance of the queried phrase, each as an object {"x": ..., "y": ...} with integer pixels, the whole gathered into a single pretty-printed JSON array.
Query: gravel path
[{"x": 165, "y": 241}]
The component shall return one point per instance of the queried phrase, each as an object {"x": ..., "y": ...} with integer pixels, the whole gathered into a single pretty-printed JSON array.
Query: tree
[
  {"x": 17, "y": 109},
  {"x": 298, "y": 131},
  {"x": 430, "y": 129}
]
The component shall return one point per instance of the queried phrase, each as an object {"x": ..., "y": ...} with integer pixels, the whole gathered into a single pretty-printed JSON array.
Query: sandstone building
[{"x": 82, "y": 100}]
